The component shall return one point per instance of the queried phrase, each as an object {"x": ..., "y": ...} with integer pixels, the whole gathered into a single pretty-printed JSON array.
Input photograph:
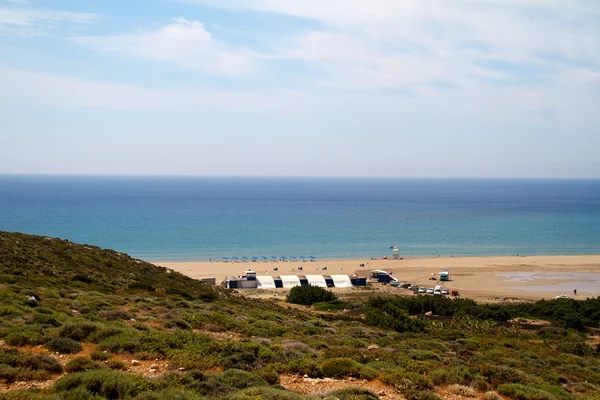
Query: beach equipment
[
  {"x": 341, "y": 281},
  {"x": 313, "y": 258},
  {"x": 284, "y": 258},
  {"x": 225, "y": 259},
  {"x": 263, "y": 258},
  {"x": 290, "y": 281},
  {"x": 265, "y": 282},
  {"x": 273, "y": 258},
  {"x": 293, "y": 258},
  {"x": 302, "y": 258},
  {"x": 316, "y": 280}
]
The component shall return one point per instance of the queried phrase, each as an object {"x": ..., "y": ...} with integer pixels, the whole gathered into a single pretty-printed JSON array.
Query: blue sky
[{"x": 438, "y": 88}]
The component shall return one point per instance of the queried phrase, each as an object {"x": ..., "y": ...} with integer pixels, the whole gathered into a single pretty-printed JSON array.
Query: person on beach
[{"x": 575, "y": 292}]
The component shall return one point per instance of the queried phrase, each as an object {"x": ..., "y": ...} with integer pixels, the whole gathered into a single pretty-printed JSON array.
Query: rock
[
  {"x": 373, "y": 347},
  {"x": 381, "y": 393},
  {"x": 135, "y": 363},
  {"x": 305, "y": 376},
  {"x": 181, "y": 369},
  {"x": 154, "y": 366},
  {"x": 428, "y": 313}
]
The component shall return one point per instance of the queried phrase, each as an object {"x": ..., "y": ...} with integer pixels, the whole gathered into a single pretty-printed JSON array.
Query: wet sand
[{"x": 483, "y": 278}]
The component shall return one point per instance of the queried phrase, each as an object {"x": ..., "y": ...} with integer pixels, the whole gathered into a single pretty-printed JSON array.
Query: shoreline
[{"x": 473, "y": 276}]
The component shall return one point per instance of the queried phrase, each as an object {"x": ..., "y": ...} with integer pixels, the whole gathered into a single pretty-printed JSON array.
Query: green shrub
[
  {"x": 493, "y": 396},
  {"x": 169, "y": 394},
  {"x": 343, "y": 367},
  {"x": 13, "y": 357},
  {"x": 77, "y": 331},
  {"x": 461, "y": 390},
  {"x": 24, "y": 338},
  {"x": 7, "y": 372},
  {"x": 81, "y": 364},
  {"x": 264, "y": 393},
  {"x": 100, "y": 356},
  {"x": 104, "y": 382},
  {"x": 420, "y": 395},
  {"x": 517, "y": 391},
  {"x": 117, "y": 364},
  {"x": 309, "y": 295},
  {"x": 304, "y": 366},
  {"x": 352, "y": 393},
  {"x": 407, "y": 381},
  {"x": 64, "y": 346},
  {"x": 45, "y": 319},
  {"x": 44, "y": 363},
  {"x": 335, "y": 305}
]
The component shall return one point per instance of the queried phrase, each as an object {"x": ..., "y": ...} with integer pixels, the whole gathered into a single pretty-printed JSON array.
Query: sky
[{"x": 383, "y": 88}]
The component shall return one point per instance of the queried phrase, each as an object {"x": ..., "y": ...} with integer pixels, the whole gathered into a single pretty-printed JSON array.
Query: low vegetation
[{"x": 96, "y": 324}]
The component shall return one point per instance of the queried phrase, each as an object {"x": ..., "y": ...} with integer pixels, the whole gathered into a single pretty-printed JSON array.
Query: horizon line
[{"x": 75, "y": 175}]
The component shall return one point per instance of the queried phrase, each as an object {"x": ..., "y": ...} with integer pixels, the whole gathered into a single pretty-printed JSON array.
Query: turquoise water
[{"x": 158, "y": 218}]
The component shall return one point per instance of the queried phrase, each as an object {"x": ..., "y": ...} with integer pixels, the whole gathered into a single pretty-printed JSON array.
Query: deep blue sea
[{"x": 186, "y": 218}]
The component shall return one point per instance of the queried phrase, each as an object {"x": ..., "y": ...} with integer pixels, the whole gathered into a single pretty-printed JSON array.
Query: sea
[{"x": 200, "y": 218}]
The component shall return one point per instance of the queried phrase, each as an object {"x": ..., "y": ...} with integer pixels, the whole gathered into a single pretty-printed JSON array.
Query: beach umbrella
[
  {"x": 284, "y": 258},
  {"x": 263, "y": 257},
  {"x": 273, "y": 258},
  {"x": 244, "y": 258},
  {"x": 293, "y": 257},
  {"x": 225, "y": 258},
  {"x": 254, "y": 257},
  {"x": 234, "y": 258},
  {"x": 312, "y": 257},
  {"x": 302, "y": 258}
]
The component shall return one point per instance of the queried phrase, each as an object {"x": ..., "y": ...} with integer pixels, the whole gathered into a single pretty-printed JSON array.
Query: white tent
[
  {"x": 316, "y": 280},
  {"x": 341, "y": 281},
  {"x": 265, "y": 282},
  {"x": 290, "y": 281}
]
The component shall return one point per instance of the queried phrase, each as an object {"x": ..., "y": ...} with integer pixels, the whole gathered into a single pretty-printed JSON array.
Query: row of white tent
[{"x": 289, "y": 281}]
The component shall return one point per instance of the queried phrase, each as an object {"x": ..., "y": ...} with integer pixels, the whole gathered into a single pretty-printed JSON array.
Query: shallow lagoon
[{"x": 584, "y": 282}]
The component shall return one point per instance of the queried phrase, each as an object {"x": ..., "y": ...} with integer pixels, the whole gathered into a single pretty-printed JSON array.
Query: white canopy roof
[
  {"x": 290, "y": 281},
  {"x": 316, "y": 280},
  {"x": 341, "y": 281},
  {"x": 265, "y": 282}
]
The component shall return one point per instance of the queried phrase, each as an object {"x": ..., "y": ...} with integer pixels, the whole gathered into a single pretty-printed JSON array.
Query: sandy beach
[{"x": 482, "y": 278}]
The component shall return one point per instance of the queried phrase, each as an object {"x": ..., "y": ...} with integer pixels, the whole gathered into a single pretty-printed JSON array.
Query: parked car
[
  {"x": 430, "y": 290},
  {"x": 413, "y": 287},
  {"x": 422, "y": 290},
  {"x": 562, "y": 296},
  {"x": 437, "y": 292},
  {"x": 395, "y": 283},
  {"x": 445, "y": 291}
]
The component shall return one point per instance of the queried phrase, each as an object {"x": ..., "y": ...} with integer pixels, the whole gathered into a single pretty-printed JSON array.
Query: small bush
[
  {"x": 264, "y": 393},
  {"x": 7, "y": 372},
  {"x": 44, "y": 363},
  {"x": 521, "y": 392},
  {"x": 420, "y": 395},
  {"x": 100, "y": 356},
  {"x": 27, "y": 338},
  {"x": 169, "y": 394},
  {"x": 77, "y": 331},
  {"x": 493, "y": 396},
  {"x": 462, "y": 390},
  {"x": 64, "y": 346},
  {"x": 81, "y": 364},
  {"x": 45, "y": 319},
  {"x": 309, "y": 295},
  {"x": 343, "y": 367},
  {"x": 407, "y": 381},
  {"x": 117, "y": 364},
  {"x": 104, "y": 382},
  {"x": 350, "y": 394}
]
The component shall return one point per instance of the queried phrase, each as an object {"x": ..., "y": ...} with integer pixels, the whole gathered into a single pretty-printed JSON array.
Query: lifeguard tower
[{"x": 395, "y": 253}]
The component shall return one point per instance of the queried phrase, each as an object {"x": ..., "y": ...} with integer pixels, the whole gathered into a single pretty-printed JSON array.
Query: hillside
[
  {"x": 41, "y": 261},
  {"x": 81, "y": 323}
]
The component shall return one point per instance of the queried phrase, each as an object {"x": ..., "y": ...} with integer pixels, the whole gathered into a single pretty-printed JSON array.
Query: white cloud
[
  {"x": 28, "y": 22},
  {"x": 390, "y": 42},
  {"x": 32, "y": 89},
  {"x": 183, "y": 42}
]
